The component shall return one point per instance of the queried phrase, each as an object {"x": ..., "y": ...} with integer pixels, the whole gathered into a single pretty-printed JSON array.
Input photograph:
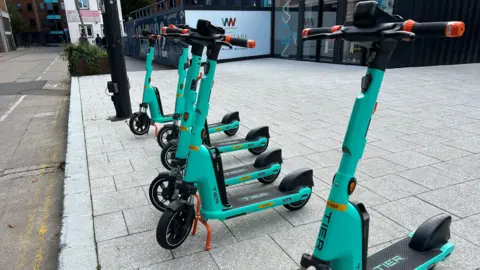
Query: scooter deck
[
  {"x": 241, "y": 170},
  {"x": 229, "y": 143},
  {"x": 400, "y": 256},
  {"x": 215, "y": 125},
  {"x": 260, "y": 195}
]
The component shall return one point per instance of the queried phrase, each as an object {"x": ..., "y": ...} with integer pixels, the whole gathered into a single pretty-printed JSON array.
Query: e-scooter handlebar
[
  {"x": 171, "y": 29},
  {"x": 240, "y": 42},
  {"x": 434, "y": 29},
  {"x": 407, "y": 31},
  {"x": 147, "y": 35},
  {"x": 322, "y": 30}
]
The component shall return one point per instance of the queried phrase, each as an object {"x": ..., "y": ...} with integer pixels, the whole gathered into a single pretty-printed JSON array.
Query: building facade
[
  {"x": 276, "y": 26},
  {"x": 44, "y": 21},
  {"x": 6, "y": 37},
  {"x": 92, "y": 19}
]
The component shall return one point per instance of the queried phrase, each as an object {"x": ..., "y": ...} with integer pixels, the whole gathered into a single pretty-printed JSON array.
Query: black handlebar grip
[
  {"x": 240, "y": 42},
  {"x": 172, "y": 30},
  {"x": 435, "y": 29},
  {"x": 322, "y": 30}
]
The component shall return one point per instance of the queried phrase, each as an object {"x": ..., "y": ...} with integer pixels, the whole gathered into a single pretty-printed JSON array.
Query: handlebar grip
[
  {"x": 435, "y": 29},
  {"x": 240, "y": 42},
  {"x": 169, "y": 30},
  {"x": 322, "y": 30}
]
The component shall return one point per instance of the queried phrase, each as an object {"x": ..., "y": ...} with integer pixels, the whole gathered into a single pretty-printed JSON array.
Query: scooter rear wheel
[
  {"x": 258, "y": 150},
  {"x": 297, "y": 205},
  {"x": 139, "y": 123},
  {"x": 231, "y": 132},
  {"x": 268, "y": 179},
  {"x": 161, "y": 191},
  {"x": 166, "y": 134},
  {"x": 174, "y": 226}
]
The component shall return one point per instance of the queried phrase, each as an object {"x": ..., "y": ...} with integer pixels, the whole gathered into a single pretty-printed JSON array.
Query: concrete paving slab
[
  {"x": 377, "y": 166},
  {"x": 198, "y": 261},
  {"x": 135, "y": 179},
  {"x": 461, "y": 200},
  {"x": 109, "y": 226},
  {"x": 141, "y": 219},
  {"x": 409, "y": 212},
  {"x": 466, "y": 167},
  {"x": 102, "y": 185},
  {"x": 443, "y": 152},
  {"x": 104, "y": 203},
  {"x": 125, "y": 252},
  {"x": 431, "y": 177},
  {"x": 410, "y": 159},
  {"x": 239, "y": 255},
  {"x": 467, "y": 228},
  {"x": 395, "y": 145}
]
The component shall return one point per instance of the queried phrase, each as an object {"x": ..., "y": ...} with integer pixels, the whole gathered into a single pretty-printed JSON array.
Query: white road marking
[
  {"x": 39, "y": 77},
  {"x": 45, "y": 114},
  {"x": 10, "y": 110}
]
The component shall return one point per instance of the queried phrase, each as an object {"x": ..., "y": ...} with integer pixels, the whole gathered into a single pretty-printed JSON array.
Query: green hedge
[{"x": 91, "y": 54}]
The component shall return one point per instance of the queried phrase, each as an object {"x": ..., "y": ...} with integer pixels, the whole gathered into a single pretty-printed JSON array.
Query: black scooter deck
[
  {"x": 400, "y": 257},
  {"x": 229, "y": 143},
  {"x": 241, "y": 170},
  {"x": 260, "y": 195}
]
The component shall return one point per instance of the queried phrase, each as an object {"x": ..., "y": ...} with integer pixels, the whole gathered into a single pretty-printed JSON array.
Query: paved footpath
[
  {"x": 33, "y": 100},
  {"x": 422, "y": 158}
]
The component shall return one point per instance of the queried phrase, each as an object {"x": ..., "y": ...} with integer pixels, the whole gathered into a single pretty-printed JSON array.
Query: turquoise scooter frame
[
  {"x": 256, "y": 141},
  {"x": 265, "y": 168},
  {"x": 140, "y": 122},
  {"x": 204, "y": 170},
  {"x": 230, "y": 122},
  {"x": 342, "y": 242}
]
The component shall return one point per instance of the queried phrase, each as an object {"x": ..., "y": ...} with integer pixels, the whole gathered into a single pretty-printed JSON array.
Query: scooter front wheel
[
  {"x": 161, "y": 190},
  {"x": 139, "y": 123},
  {"x": 258, "y": 150},
  {"x": 165, "y": 135},
  {"x": 175, "y": 226},
  {"x": 168, "y": 155}
]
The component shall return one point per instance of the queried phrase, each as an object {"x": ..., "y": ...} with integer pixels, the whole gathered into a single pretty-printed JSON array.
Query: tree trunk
[{"x": 80, "y": 17}]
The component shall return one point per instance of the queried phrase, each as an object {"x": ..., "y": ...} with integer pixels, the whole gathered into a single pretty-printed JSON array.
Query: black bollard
[{"x": 119, "y": 87}]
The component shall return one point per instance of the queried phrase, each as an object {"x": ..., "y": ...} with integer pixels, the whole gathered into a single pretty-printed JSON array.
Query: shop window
[
  {"x": 88, "y": 30},
  {"x": 83, "y": 4},
  {"x": 29, "y": 7},
  {"x": 32, "y": 23}
]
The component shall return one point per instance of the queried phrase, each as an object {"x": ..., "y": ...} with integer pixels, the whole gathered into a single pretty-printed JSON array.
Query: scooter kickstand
[
  {"x": 207, "y": 226},
  {"x": 156, "y": 129}
]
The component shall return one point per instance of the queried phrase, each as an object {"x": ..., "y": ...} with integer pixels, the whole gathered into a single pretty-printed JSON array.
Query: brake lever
[
  {"x": 399, "y": 35},
  {"x": 224, "y": 43},
  {"x": 334, "y": 35}
]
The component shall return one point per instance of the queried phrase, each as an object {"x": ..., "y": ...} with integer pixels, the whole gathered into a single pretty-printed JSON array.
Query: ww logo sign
[{"x": 229, "y": 22}]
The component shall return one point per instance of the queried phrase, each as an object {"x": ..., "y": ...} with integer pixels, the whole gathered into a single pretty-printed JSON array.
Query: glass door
[
  {"x": 352, "y": 54},
  {"x": 286, "y": 29},
  {"x": 329, "y": 18},
  {"x": 311, "y": 19}
]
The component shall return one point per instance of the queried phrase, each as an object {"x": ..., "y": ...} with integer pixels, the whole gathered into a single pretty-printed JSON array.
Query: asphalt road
[{"x": 34, "y": 89}]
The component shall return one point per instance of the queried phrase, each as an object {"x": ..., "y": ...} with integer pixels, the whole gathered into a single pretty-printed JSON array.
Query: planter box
[{"x": 103, "y": 67}]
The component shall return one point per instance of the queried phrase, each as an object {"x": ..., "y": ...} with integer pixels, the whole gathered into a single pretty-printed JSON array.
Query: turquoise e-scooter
[
  {"x": 204, "y": 171},
  {"x": 256, "y": 141},
  {"x": 140, "y": 122},
  {"x": 163, "y": 189},
  {"x": 342, "y": 242}
]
